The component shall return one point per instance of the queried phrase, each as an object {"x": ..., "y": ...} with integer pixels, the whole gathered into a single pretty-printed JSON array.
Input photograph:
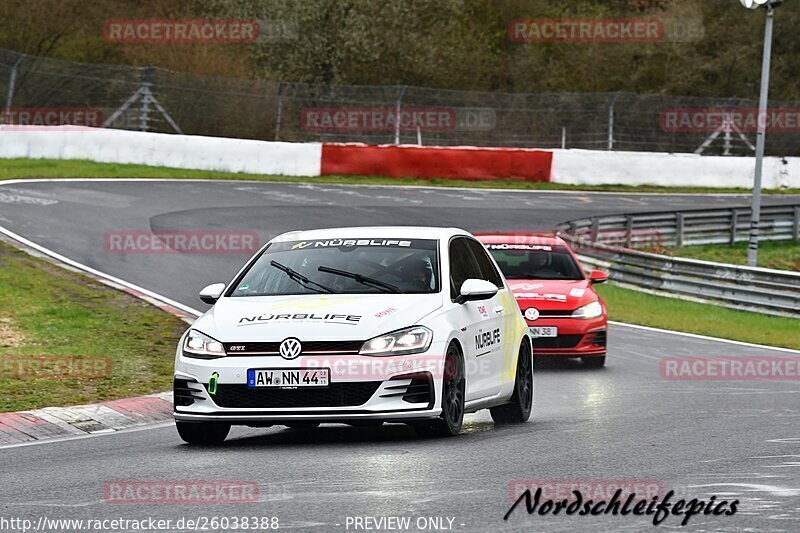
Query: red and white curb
[{"x": 77, "y": 420}]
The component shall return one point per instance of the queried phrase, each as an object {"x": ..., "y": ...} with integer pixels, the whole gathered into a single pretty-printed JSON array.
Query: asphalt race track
[{"x": 735, "y": 439}]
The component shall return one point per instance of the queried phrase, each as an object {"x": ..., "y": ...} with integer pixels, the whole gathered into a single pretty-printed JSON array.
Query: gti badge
[
  {"x": 531, "y": 313},
  {"x": 290, "y": 348}
]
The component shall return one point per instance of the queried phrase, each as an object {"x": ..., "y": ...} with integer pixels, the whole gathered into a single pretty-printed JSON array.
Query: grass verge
[
  {"x": 67, "y": 339},
  {"x": 634, "y": 307},
  {"x": 780, "y": 255},
  {"x": 73, "y": 168}
]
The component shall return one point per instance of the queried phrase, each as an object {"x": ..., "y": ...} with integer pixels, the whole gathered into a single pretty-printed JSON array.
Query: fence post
[
  {"x": 678, "y": 230},
  {"x": 144, "y": 110},
  {"x": 279, "y": 111},
  {"x": 12, "y": 81},
  {"x": 397, "y": 115},
  {"x": 796, "y": 224},
  {"x": 611, "y": 120},
  {"x": 595, "y": 230},
  {"x": 734, "y": 225}
]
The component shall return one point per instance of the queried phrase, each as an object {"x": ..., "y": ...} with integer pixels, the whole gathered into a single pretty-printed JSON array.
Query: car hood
[
  {"x": 317, "y": 318},
  {"x": 551, "y": 294}
]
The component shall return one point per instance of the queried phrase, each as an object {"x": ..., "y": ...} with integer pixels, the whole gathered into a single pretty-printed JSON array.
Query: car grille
[
  {"x": 597, "y": 338},
  {"x": 308, "y": 348},
  {"x": 555, "y": 313},
  {"x": 334, "y": 395},
  {"x": 420, "y": 390},
  {"x": 183, "y": 394},
  {"x": 562, "y": 341}
]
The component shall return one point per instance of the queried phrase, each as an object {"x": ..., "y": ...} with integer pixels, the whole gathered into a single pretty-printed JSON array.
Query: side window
[
  {"x": 488, "y": 271},
  {"x": 462, "y": 266}
]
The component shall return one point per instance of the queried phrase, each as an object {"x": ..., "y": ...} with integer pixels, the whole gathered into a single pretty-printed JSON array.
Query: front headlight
[
  {"x": 592, "y": 310},
  {"x": 416, "y": 339},
  {"x": 202, "y": 346}
]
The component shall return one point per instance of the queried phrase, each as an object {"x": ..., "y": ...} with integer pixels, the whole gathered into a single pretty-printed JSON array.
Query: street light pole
[{"x": 752, "y": 248}]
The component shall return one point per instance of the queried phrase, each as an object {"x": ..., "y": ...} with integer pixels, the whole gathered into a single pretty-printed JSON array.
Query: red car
[{"x": 565, "y": 315}]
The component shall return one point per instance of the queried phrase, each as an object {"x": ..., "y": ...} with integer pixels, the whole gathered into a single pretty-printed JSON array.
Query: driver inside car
[{"x": 416, "y": 274}]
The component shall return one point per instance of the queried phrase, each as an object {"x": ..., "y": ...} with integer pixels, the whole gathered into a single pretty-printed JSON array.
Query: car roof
[
  {"x": 372, "y": 232},
  {"x": 520, "y": 238}
]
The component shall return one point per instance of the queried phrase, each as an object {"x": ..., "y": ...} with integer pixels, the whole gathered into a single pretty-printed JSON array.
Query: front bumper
[
  {"x": 576, "y": 337},
  {"x": 361, "y": 388}
]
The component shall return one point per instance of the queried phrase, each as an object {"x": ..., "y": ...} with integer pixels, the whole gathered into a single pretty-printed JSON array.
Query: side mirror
[
  {"x": 476, "y": 289},
  {"x": 597, "y": 276},
  {"x": 211, "y": 294}
]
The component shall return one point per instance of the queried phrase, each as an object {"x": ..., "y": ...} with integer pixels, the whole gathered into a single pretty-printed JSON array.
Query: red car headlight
[{"x": 590, "y": 310}]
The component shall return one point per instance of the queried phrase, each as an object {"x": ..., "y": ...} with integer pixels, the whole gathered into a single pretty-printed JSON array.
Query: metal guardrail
[
  {"x": 609, "y": 242},
  {"x": 684, "y": 228}
]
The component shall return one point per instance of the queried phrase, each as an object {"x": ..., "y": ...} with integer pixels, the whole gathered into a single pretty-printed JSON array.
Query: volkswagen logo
[
  {"x": 290, "y": 348},
  {"x": 531, "y": 313}
]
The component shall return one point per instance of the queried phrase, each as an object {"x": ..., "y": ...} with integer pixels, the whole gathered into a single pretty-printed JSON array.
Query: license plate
[
  {"x": 288, "y": 378},
  {"x": 544, "y": 331}
]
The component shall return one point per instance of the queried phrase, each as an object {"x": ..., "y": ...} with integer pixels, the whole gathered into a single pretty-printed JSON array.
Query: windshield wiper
[
  {"x": 301, "y": 279},
  {"x": 364, "y": 280}
]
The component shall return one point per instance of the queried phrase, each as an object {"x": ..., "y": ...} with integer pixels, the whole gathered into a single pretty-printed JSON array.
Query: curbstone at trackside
[{"x": 106, "y": 417}]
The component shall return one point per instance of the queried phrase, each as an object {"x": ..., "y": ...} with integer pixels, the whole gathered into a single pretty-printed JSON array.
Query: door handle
[{"x": 499, "y": 309}]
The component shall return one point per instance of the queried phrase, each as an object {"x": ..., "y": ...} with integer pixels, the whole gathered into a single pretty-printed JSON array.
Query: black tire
[
  {"x": 453, "y": 386},
  {"x": 205, "y": 433},
  {"x": 598, "y": 361},
  {"x": 302, "y": 426},
  {"x": 518, "y": 409}
]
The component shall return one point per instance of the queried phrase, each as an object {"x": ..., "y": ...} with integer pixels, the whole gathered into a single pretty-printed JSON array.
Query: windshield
[
  {"x": 535, "y": 261},
  {"x": 349, "y": 266}
]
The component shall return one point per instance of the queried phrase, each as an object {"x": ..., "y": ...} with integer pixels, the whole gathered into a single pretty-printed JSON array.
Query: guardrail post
[
  {"x": 734, "y": 225},
  {"x": 678, "y": 230},
  {"x": 595, "y": 230},
  {"x": 796, "y": 223},
  {"x": 628, "y": 230}
]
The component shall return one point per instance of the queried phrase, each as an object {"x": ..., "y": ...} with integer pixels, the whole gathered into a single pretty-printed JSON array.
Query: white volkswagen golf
[{"x": 358, "y": 326}]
